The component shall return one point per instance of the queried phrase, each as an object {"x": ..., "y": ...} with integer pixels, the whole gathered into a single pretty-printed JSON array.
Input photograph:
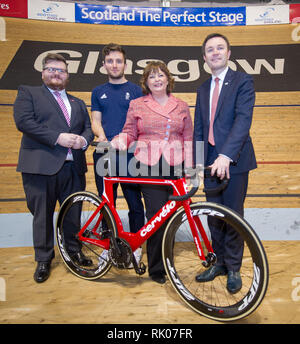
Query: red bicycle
[{"x": 186, "y": 247}]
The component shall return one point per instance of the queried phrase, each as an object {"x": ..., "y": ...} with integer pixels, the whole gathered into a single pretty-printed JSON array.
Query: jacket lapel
[
  {"x": 204, "y": 101},
  {"x": 53, "y": 101},
  {"x": 73, "y": 109},
  {"x": 161, "y": 110}
]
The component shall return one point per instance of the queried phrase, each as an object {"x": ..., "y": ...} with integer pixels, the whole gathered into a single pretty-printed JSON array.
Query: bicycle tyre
[
  {"x": 73, "y": 213},
  {"x": 182, "y": 264}
]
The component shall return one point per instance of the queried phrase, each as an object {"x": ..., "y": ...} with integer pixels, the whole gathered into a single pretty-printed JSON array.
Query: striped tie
[
  {"x": 62, "y": 106},
  {"x": 65, "y": 112},
  {"x": 214, "y": 104}
]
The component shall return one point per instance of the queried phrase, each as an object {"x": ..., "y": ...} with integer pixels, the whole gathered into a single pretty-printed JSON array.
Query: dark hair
[
  {"x": 213, "y": 35},
  {"x": 154, "y": 66},
  {"x": 53, "y": 57},
  {"x": 112, "y": 47}
]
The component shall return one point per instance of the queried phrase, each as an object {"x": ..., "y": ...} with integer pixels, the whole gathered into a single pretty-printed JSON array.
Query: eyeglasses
[{"x": 53, "y": 70}]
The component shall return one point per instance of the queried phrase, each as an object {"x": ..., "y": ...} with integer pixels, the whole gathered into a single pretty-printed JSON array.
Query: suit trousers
[
  {"x": 227, "y": 244},
  {"x": 42, "y": 193}
]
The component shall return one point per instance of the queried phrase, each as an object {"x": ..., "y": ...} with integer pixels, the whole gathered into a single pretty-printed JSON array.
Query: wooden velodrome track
[{"x": 121, "y": 297}]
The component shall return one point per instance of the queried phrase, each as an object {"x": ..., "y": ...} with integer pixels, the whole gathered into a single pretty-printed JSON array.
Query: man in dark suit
[
  {"x": 223, "y": 117},
  {"x": 56, "y": 132}
]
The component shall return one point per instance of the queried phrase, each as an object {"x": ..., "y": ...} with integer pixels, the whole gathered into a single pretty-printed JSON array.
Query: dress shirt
[
  {"x": 65, "y": 99},
  {"x": 68, "y": 106},
  {"x": 212, "y": 86},
  {"x": 221, "y": 78}
]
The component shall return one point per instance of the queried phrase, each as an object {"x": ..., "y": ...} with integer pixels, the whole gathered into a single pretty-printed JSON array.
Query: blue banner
[
  {"x": 95, "y": 14},
  {"x": 156, "y": 16},
  {"x": 115, "y": 15},
  {"x": 219, "y": 16}
]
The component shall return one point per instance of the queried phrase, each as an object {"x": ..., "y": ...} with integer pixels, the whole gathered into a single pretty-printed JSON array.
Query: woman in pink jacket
[{"x": 160, "y": 129}]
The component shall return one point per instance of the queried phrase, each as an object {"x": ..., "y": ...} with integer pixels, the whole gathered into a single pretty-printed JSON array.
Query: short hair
[
  {"x": 154, "y": 66},
  {"x": 112, "y": 47},
  {"x": 213, "y": 35},
  {"x": 53, "y": 57}
]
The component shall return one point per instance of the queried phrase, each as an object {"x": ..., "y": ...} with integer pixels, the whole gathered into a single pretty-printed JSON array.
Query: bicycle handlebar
[
  {"x": 219, "y": 188},
  {"x": 195, "y": 182},
  {"x": 106, "y": 145}
]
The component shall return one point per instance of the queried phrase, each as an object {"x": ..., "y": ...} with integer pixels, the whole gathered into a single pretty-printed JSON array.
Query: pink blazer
[{"x": 160, "y": 130}]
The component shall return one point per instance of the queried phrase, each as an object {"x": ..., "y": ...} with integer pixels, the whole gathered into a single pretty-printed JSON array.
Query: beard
[{"x": 55, "y": 83}]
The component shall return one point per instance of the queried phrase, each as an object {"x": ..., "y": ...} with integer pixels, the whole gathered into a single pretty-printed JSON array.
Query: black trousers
[
  {"x": 227, "y": 244},
  {"x": 155, "y": 197},
  {"x": 131, "y": 192},
  {"x": 42, "y": 193}
]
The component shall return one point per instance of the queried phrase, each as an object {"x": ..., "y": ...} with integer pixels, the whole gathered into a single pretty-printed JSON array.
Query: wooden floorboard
[{"x": 122, "y": 297}]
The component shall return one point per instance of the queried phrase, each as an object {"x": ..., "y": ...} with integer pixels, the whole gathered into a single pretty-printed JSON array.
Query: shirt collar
[
  {"x": 222, "y": 75},
  {"x": 62, "y": 92}
]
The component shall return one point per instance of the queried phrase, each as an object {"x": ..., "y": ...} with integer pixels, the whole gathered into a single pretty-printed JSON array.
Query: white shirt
[
  {"x": 221, "y": 77},
  {"x": 213, "y": 83},
  {"x": 68, "y": 106},
  {"x": 65, "y": 99}
]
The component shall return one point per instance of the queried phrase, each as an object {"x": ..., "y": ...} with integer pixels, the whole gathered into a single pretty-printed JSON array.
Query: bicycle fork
[{"x": 198, "y": 232}]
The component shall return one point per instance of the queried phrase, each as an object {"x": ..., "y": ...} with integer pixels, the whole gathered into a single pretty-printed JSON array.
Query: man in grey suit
[
  {"x": 56, "y": 132},
  {"x": 223, "y": 118}
]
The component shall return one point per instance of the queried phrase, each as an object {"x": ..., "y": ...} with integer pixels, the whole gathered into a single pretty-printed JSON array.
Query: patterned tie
[
  {"x": 62, "y": 106},
  {"x": 214, "y": 104},
  {"x": 64, "y": 110}
]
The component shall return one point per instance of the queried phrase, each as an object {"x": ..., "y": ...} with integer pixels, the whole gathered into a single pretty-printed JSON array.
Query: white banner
[
  {"x": 51, "y": 10},
  {"x": 266, "y": 15}
]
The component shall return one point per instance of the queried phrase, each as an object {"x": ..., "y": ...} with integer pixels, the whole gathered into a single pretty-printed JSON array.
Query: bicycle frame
[{"x": 135, "y": 240}]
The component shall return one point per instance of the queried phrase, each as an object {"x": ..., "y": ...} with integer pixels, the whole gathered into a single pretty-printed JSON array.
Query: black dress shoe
[
  {"x": 158, "y": 278},
  {"x": 81, "y": 259},
  {"x": 234, "y": 282},
  {"x": 42, "y": 272},
  {"x": 211, "y": 273}
]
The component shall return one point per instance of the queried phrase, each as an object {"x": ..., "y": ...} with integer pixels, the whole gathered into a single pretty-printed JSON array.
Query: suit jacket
[
  {"x": 158, "y": 130},
  {"x": 232, "y": 122},
  {"x": 39, "y": 117}
]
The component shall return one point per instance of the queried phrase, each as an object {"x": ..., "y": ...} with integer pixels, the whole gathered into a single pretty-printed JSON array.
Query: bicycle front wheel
[
  {"x": 182, "y": 264},
  {"x": 76, "y": 212}
]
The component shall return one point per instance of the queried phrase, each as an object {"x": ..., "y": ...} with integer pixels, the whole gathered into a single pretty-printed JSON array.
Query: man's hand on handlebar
[{"x": 221, "y": 167}]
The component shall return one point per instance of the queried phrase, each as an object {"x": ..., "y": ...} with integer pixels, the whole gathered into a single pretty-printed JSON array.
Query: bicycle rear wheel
[
  {"x": 74, "y": 213},
  {"x": 182, "y": 264}
]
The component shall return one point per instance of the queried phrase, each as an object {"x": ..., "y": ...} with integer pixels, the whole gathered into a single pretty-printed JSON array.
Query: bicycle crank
[{"x": 120, "y": 253}]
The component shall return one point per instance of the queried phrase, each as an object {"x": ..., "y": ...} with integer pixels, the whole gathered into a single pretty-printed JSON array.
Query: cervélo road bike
[{"x": 187, "y": 247}]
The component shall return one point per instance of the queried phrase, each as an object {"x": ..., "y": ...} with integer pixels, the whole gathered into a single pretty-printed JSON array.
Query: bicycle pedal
[
  {"x": 141, "y": 268},
  {"x": 211, "y": 259}
]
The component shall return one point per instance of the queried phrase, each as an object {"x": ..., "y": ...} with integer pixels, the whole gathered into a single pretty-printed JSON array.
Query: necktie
[
  {"x": 65, "y": 112},
  {"x": 62, "y": 106},
  {"x": 214, "y": 104}
]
